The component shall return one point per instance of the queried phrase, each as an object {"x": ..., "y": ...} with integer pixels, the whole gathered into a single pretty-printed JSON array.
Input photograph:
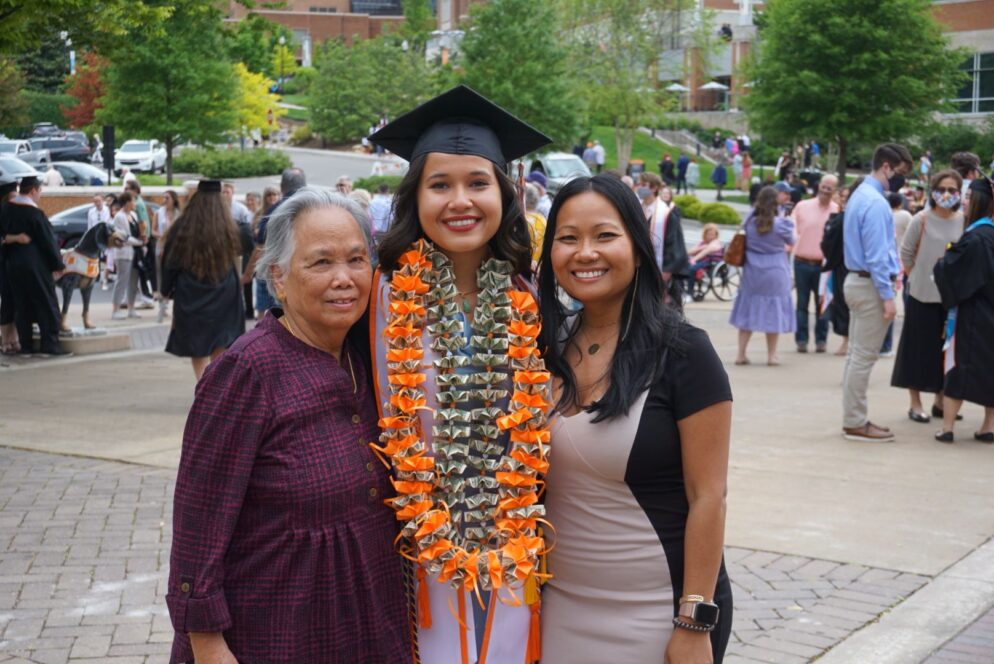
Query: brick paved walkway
[
  {"x": 84, "y": 548},
  {"x": 974, "y": 645}
]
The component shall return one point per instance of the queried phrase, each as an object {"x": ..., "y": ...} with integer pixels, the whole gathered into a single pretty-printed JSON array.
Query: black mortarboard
[
  {"x": 210, "y": 186},
  {"x": 29, "y": 182},
  {"x": 460, "y": 121}
]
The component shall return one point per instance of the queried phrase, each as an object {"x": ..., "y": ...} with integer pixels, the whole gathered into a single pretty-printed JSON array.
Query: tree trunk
[
  {"x": 843, "y": 144},
  {"x": 623, "y": 144},
  {"x": 169, "y": 161}
]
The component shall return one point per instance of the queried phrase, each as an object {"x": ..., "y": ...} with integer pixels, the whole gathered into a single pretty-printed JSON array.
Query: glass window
[{"x": 977, "y": 93}]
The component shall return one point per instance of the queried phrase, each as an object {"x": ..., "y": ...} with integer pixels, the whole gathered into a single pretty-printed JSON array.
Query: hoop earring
[{"x": 631, "y": 307}]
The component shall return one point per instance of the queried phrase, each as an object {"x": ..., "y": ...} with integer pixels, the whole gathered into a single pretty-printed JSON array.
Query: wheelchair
[{"x": 717, "y": 277}]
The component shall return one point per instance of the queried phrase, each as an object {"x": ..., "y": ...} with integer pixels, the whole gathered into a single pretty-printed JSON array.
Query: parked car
[
  {"x": 26, "y": 152},
  {"x": 61, "y": 148},
  {"x": 76, "y": 173},
  {"x": 141, "y": 156},
  {"x": 69, "y": 225},
  {"x": 45, "y": 129},
  {"x": 17, "y": 168},
  {"x": 559, "y": 168}
]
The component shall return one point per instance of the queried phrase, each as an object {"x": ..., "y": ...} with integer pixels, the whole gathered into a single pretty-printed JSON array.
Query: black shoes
[
  {"x": 937, "y": 412},
  {"x": 987, "y": 437},
  {"x": 944, "y": 436},
  {"x": 915, "y": 416}
]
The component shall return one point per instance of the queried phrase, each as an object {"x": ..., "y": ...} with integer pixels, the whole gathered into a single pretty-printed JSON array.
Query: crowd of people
[{"x": 852, "y": 252}]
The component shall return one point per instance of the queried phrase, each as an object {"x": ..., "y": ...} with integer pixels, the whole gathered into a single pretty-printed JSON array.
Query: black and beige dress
[{"x": 616, "y": 496}]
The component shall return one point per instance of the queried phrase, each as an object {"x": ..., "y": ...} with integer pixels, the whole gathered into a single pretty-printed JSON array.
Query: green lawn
[
  {"x": 649, "y": 150},
  {"x": 298, "y": 100}
]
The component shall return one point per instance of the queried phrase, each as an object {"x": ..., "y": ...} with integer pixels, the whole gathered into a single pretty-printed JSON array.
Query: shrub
[
  {"x": 214, "y": 163},
  {"x": 373, "y": 182},
  {"x": 301, "y": 81},
  {"x": 690, "y": 206},
  {"x": 719, "y": 213},
  {"x": 301, "y": 134},
  {"x": 46, "y": 106}
]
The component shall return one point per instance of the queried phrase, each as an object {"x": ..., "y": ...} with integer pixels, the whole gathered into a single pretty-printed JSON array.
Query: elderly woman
[{"x": 282, "y": 547}]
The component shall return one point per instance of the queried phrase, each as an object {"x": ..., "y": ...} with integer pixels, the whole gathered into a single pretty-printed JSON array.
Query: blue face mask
[{"x": 946, "y": 200}]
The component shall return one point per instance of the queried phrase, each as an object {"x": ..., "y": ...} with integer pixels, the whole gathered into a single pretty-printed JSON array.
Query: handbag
[{"x": 735, "y": 254}]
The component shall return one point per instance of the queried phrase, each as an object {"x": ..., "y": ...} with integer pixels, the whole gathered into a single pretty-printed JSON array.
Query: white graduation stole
[{"x": 657, "y": 229}]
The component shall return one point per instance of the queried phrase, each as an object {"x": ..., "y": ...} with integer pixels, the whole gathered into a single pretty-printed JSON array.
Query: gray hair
[
  {"x": 292, "y": 179},
  {"x": 532, "y": 196},
  {"x": 281, "y": 236}
]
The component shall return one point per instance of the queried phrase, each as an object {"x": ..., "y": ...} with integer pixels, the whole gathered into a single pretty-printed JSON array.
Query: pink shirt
[{"x": 809, "y": 218}]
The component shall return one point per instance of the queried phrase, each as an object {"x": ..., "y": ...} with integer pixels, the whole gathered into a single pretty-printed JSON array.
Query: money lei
[{"x": 498, "y": 507}]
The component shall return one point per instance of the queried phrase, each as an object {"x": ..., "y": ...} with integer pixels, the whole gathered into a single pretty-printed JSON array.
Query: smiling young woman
[
  {"x": 461, "y": 386},
  {"x": 637, "y": 490}
]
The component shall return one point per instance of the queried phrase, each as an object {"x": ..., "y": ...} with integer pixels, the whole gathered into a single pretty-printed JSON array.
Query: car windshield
[
  {"x": 8, "y": 147},
  {"x": 561, "y": 167},
  {"x": 135, "y": 147}
]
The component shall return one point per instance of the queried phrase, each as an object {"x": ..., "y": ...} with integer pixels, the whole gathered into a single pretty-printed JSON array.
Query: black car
[
  {"x": 69, "y": 225},
  {"x": 62, "y": 149}
]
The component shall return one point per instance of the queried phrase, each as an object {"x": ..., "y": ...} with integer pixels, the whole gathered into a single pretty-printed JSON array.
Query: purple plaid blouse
[{"x": 281, "y": 539}]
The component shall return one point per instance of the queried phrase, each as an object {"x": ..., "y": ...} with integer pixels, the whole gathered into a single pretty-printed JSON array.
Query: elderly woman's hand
[{"x": 211, "y": 648}]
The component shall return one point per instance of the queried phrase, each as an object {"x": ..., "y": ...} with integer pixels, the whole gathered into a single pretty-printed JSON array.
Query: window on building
[{"x": 977, "y": 93}]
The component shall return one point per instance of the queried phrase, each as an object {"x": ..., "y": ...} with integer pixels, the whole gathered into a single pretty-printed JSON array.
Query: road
[{"x": 322, "y": 167}]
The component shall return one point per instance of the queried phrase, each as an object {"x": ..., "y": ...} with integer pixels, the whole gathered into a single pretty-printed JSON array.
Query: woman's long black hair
[
  {"x": 511, "y": 242},
  {"x": 639, "y": 358}
]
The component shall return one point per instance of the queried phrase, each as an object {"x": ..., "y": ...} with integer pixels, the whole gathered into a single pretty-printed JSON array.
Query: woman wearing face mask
[
  {"x": 456, "y": 331},
  {"x": 918, "y": 366}
]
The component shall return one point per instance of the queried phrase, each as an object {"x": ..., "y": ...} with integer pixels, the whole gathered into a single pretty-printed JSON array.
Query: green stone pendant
[
  {"x": 466, "y": 307},
  {"x": 593, "y": 349}
]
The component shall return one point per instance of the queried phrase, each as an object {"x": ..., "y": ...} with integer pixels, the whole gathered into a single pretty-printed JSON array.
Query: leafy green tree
[
  {"x": 249, "y": 41},
  {"x": 615, "y": 50},
  {"x": 850, "y": 70},
  {"x": 174, "y": 89},
  {"x": 355, "y": 85},
  {"x": 27, "y": 24},
  {"x": 12, "y": 110},
  {"x": 284, "y": 62},
  {"x": 513, "y": 54},
  {"x": 419, "y": 21}
]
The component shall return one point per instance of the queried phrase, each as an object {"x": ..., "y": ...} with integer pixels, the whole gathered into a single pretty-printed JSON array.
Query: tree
[
  {"x": 512, "y": 53},
  {"x": 355, "y": 85},
  {"x": 12, "y": 110},
  {"x": 849, "y": 70},
  {"x": 254, "y": 101},
  {"x": 249, "y": 41},
  {"x": 284, "y": 61},
  {"x": 616, "y": 46},
  {"x": 87, "y": 23},
  {"x": 175, "y": 89},
  {"x": 86, "y": 87},
  {"x": 419, "y": 21}
]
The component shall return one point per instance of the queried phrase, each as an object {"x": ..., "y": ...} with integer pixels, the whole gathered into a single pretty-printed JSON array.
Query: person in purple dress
[
  {"x": 763, "y": 303},
  {"x": 282, "y": 546}
]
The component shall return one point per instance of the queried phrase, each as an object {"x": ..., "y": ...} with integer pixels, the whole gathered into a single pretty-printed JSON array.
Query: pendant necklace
[{"x": 466, "y": 304}]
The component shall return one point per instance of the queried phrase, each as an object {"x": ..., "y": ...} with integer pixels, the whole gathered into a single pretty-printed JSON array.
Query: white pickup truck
[{"x": 23, "y": 151}]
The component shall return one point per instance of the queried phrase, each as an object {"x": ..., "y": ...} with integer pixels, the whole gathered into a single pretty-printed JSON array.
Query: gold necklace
[{"x": 286, "y": 323}]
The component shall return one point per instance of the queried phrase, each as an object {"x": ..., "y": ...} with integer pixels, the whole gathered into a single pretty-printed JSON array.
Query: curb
[{"x": 920, "y": 625}]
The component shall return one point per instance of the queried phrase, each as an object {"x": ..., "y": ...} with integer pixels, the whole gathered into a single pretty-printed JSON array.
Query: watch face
[{"x": 706, "y": 614}]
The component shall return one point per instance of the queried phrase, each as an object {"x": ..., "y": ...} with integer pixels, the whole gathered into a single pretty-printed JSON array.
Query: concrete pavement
[{"x": 834, "y": 547}]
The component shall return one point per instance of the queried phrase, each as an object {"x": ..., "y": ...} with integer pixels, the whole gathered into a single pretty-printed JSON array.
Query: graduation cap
[
  {"x": 460, "y": 121},
  {"x": 209, "y": 186}
]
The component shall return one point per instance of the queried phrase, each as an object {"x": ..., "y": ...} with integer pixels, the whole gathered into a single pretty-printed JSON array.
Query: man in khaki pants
[{"x": 871, "y": 258}]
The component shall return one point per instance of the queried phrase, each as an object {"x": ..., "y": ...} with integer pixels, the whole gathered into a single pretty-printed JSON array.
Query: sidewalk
[{"x": 836, "y": 550}]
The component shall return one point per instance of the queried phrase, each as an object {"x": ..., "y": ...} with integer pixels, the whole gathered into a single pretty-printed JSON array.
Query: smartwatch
[{"x": 701, "y": 612}]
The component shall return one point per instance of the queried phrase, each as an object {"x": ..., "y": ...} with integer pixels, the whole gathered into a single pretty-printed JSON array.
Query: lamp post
[{"x": 282, "y": 41}]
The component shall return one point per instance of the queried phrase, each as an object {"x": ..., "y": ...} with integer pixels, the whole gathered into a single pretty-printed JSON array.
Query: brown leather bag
[{"x": 735, "y": 254}]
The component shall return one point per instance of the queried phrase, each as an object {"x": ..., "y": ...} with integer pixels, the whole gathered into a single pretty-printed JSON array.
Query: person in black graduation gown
[
  {"x": 29, "y": 270},
  {"x": 965, "y": 277},
  {"x": 9, "y": 343},
  {"x": 199, "y": 257}
]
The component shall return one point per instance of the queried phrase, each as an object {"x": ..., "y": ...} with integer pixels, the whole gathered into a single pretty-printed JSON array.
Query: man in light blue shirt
[{"x": 871, "y": 258}]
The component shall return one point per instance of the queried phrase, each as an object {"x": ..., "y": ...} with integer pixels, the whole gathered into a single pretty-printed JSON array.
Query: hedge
[
  {"x": 235, "y": 163},
  {"x": 708, "y": 213},
  {"x": 719, "y": 213},
  {"x": 373, "y": 182}
]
